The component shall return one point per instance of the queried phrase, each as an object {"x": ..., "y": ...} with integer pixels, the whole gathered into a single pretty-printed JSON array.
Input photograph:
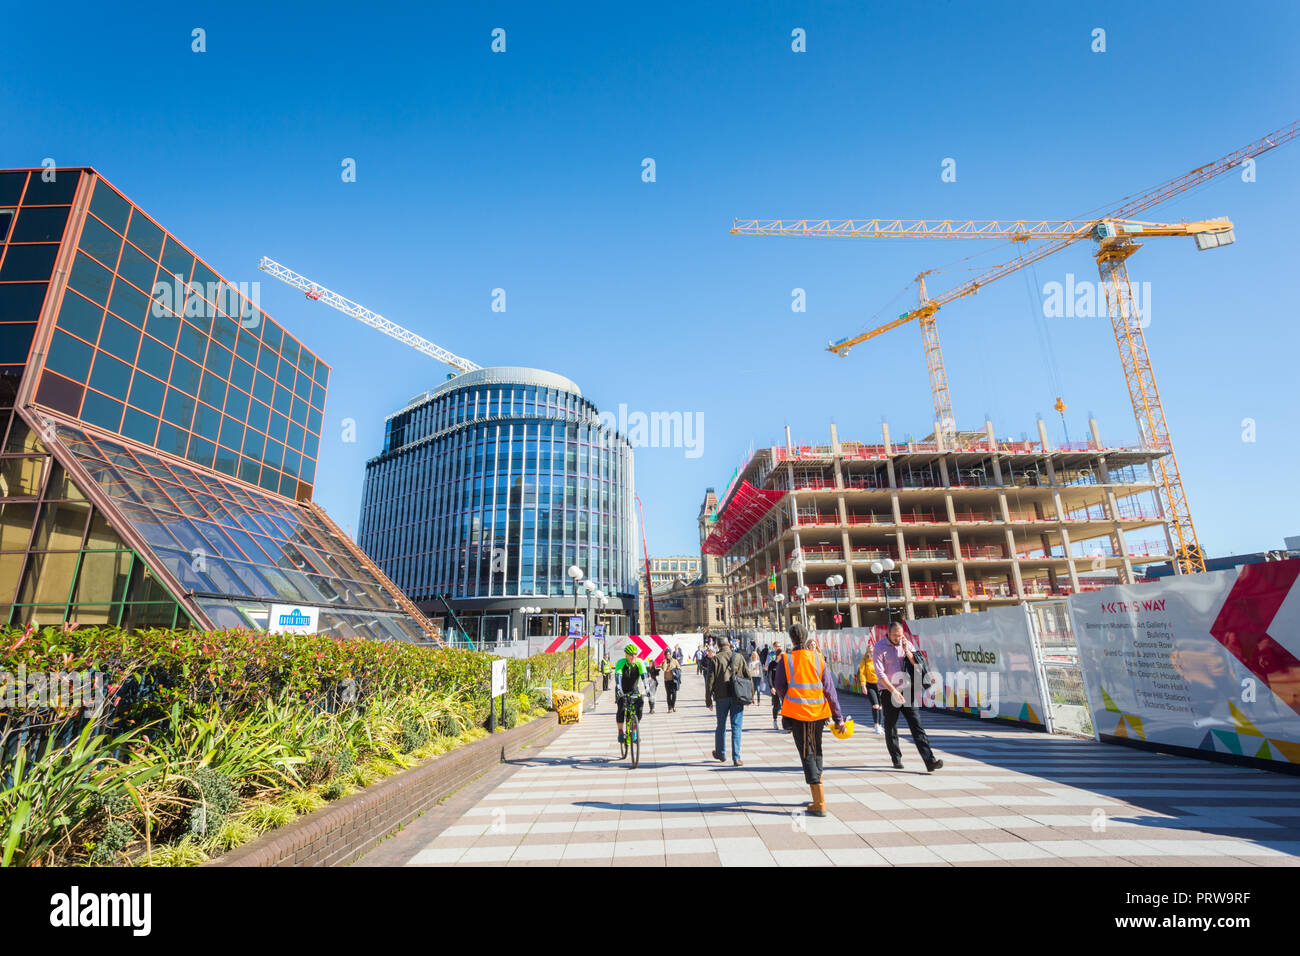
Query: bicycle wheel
[
  {"x": 623, "y": 743},
  {"x": 635, "y": 734}
]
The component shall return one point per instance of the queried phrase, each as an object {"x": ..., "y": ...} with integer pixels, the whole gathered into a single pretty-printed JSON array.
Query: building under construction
[{"x": 971, "y": 524}]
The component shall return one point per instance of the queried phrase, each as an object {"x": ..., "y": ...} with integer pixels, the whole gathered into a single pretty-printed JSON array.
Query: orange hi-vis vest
[{"x": 805, "y": 698}]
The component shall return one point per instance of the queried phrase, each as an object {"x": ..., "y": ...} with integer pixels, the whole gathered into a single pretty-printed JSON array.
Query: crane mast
[{"x": 318, "y": 292}]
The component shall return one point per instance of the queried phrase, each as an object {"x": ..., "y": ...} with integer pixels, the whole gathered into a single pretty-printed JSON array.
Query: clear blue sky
[{"x": 522, "y": 171}]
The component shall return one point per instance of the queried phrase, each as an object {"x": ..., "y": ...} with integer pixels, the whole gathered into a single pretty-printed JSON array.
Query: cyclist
[{"x": 629, "y": 680}]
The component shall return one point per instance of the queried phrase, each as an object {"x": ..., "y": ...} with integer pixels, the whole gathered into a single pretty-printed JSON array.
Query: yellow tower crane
[{"x": 1115, "y": 234}]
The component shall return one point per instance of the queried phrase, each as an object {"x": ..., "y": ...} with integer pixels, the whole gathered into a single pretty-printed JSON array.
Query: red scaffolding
[{"x": 747, "y": 507}]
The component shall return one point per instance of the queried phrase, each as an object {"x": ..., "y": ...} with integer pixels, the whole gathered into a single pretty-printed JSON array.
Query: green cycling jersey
[{"x": 631, "y": 676}]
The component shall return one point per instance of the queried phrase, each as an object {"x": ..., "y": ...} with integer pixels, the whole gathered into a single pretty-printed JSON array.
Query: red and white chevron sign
[
  {"x": 653, "y": 647},
  {"x": 1259, "y": 624},
  {"x": 565, "y": 643}
]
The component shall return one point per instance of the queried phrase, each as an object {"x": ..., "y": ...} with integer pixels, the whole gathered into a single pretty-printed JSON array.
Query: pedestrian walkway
[{"x": 1005, "y": 796}]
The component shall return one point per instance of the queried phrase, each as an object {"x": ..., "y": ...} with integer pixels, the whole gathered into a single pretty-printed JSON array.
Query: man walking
[
  {"x": 773, "y": 662},
  {"x": 706, "y": 666},
  {"x": 891, "y": 658},
  {"x": 727, "y": 665}
]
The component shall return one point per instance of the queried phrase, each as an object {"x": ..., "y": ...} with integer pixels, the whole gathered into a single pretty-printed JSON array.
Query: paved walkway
[{"x": 1005, "y": 796}]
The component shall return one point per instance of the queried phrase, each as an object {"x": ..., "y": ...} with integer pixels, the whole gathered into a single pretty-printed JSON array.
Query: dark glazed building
[
  {"x": 160, "y": 435},
  {"x": 489, "y": 488}
]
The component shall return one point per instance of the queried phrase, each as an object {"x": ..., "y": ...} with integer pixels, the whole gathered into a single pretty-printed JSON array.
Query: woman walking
[
  {"x": 672, "y": 679},
  {"x": 756, "y": 668},
  {"x": 805, "y": 682},
  {"x": 867, "y": 678},
  {"x": 652, "y": 684}
]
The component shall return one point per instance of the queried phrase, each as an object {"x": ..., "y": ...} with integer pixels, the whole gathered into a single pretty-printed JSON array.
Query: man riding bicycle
[{"x": 629, "y": 680}]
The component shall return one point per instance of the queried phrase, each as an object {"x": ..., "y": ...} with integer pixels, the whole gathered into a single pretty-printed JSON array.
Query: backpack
[{"x": 741, "y": 685}]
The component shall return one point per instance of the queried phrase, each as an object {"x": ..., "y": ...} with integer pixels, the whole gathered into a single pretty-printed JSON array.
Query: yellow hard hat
[{"x": 846, "y": 733}]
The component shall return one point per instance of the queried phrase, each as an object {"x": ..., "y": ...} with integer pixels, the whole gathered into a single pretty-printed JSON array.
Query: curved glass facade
[{"x": 491, "y": 486}]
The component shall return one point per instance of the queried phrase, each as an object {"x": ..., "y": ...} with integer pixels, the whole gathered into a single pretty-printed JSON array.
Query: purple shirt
[
  {"x": 891, "y": 661},
  {"x": 828, "y": 685}
]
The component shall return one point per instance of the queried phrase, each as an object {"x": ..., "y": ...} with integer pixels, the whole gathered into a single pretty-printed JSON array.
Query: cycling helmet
[
  {"x": 846, "y": 733},
  {"x": 630, "y": 649}
]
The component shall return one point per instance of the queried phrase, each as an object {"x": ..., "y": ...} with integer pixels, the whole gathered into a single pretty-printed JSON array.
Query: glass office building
[
  {"x": 488, "y": 489},
  {"x": 160, "y": 434}
]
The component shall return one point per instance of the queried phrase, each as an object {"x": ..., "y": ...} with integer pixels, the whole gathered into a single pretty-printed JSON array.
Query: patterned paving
[{"x": 1004, "y": 797}]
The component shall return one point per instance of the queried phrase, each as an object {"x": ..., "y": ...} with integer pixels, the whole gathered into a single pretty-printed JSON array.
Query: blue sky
[{"x": 522, "y": 171}]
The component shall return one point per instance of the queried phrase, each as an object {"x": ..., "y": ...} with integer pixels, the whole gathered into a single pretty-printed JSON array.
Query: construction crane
[
  {"x": 1115, "y": 234},
  {"x": 1062, "y": 232},
  {"x": 319, "y": 293}
]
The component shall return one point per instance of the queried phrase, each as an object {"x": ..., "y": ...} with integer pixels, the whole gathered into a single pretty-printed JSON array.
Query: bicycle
[{"x": 631, "y": 742}]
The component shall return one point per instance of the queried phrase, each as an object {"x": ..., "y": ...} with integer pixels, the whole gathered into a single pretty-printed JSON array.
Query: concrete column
[
  {"x": 1042, "y": 437},
  {"x": 884, "y": 431},
  {"x": 1069, "y": 560},
  {"x": 1096, "y": 434},
  {"x": 835, "y": 460},
  {"x": 993, "y": 448},
  {"x": 850, "y": 583},
  {"x": 1015, "y": 564},
  {"x": 938, "y": 439}
]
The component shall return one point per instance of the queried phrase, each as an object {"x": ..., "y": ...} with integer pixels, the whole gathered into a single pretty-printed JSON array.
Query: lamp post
[
  {"x": 780, "y": 618},
  {"x": 576, "y": 573},
  {"x": 604, "y": 603},
  {"x": 834, "y": 582},
  {"x": 802, "y": 592},
  {"x": 594, "y": 594},
  {"x": 882, "y": 570},
  {"x": 588, "y": 586}
]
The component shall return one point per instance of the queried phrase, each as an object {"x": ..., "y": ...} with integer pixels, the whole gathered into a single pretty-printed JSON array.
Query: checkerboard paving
[{"x": 1005, "y": 796}]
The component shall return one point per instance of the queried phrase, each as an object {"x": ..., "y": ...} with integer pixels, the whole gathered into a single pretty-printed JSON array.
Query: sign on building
[{"x": 293, "y": 619}]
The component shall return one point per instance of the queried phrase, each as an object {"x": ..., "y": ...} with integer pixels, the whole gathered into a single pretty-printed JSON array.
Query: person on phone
[
  {"x": 891, "y": 658},
  {"x": 805, "y": 682}
]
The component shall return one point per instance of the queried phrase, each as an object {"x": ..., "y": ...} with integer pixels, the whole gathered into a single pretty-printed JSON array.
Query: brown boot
[{"x": 818, "y": 806}]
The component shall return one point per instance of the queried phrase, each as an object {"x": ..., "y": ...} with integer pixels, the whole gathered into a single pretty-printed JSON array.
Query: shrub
[{"x": 213, "y": 796}]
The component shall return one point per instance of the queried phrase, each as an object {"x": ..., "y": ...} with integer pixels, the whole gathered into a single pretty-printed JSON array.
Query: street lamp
[
  {"x": 594, "y": 594},
  {"x": 802, "y": 591},
  {"x": 576, "y": 573},
  {"x": 833, "y": 582},
  {"x": 780, "y": 618},
  {"x": 885, "y": 568}
]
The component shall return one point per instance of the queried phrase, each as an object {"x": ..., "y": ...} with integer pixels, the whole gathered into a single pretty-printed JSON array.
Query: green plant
[{"x": 212, "y": 796}]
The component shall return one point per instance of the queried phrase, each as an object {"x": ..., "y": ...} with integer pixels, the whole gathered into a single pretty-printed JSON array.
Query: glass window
[
  {"x": 272, "y": 336},
  {"x": 100, "y": 241},
  {"x": 11, "y": 188},
  {"x": 40, "y": 224},
  {"x": 28, "y": 263},
  {"x": 102, "y": 411},
  {"x": 263, "y": 389},
  {"x": 137, "y": 425},
  {"x": 185, "y": 375},
  {"x": 102, "y": 578},
  {"x": 175, "y": 260},
  {"x": 137, "y": 268},
  {"x": 213, "y": 390},
  {"x": 259, "y": 415},
  {"x": 207, "y": 421},
  {"x": 21, "y": 301},
  {"x": 232, "y": 433},
  {"x": 119, "y": 338},
  {"x": 145, "y": 235},
  {"x": 218, "y": 360},
  {"x": 171, "y": 439},
  {"x": 16, "y": 520},
  {"x": 241, "y": 375},
  {"x": 156, "y": 359},
  {"x": 69, "y": 356},
  {"x": 49, "y": 578},
  {"x": 163, "y": 326},
  {"x": 201, "y": 451},
  {"x": 192, "y": 343},
  {"x": 129, "y": 303},
  {"x": 90, "y": 278},
  {"x": 179, "y": 410},
  {"x": 237, "y": 407},
  {"x": 52, "y": 192},
  {"x": 58, "y": 392},
  {"x": 109, "y": 206},
  {"x": 110, "y": 376},
  {"x": 61, "y": 526}
]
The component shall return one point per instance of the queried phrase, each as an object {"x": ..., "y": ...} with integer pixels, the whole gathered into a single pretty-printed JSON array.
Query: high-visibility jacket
[{"x": 805, "y": 697}]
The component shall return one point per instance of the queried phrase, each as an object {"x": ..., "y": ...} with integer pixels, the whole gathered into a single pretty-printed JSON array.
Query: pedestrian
[
  {"x": 810, "y": 700},
  {"x": 606, "y": 668},
  {"x": 677, "y": 653},
  {"x": 728, "y": 666},
  {"x": 867, "y": 678},
  {"x": 764, "y": 654},
  {"x": 699, "y": 660},
  {"x": 706, "y": 666},
  {"x": 756, "y": 670},
  {"x": 890, "y": 658},
  {"x": 672, "y": 678},
  {"x": 652, "y": 683},
  {"x": 773, "y": 663}
]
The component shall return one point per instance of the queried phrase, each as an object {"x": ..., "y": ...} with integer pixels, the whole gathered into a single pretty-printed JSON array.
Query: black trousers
[
  {"x": 808, "y": 741},
  {"x": 776, "y": 704},
  {"x": 913, "y": 724},
  {"x": 670, "y": 691}
]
